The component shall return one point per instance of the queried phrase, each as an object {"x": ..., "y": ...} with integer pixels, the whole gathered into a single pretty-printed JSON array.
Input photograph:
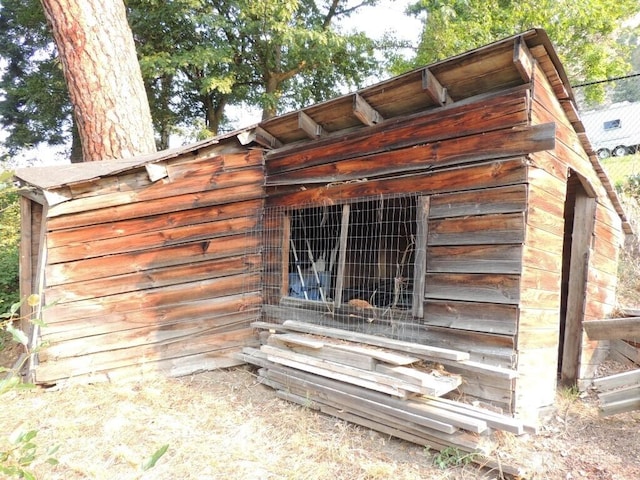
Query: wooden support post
[
  {"x": 420, "y": 267},
  {"x": 286, "y": 238},
  {"x": 342, "y": 255},
  {"x": 583, "y": 224},
  {"x": 26, "y": 266}
]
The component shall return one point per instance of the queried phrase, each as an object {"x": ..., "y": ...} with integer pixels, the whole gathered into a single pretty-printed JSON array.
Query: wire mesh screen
[{"x": 346, "y": 265}]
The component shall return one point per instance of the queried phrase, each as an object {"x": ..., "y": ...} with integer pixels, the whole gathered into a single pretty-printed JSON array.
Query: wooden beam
[
  {"x": 309, "y": 126},
  {"x": 366, "y": 113},
  {"x": 420, "y": 267},
  {"x": 584, "y": 219},
  {"x": 26, "y": 266},
  {"x": 613, "y": 328},
  {"x": 433, "y": 87},
  {"x": 260, "y": 136},
  {"x": 342, "y": 254},
  {"x": 523, "y": 60}
]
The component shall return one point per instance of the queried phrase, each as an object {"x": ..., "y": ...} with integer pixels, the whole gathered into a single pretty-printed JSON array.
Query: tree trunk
[{"x": 98, "y": 56}]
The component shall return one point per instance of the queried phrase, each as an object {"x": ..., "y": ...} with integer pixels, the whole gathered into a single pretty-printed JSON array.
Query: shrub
[{"x": 9, "y": 242}]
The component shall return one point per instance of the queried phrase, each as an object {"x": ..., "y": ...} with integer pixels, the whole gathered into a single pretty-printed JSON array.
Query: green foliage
[
  {"x": 22, "y": 453},
  {"x": 585, "y": 33},
  {"x": 34, "y": 107},
  {"x": 197, "y": 57},
  {"x": 453, "y": 457},
  {"x": 149, "y": 464},
  {"x": 9, "y": 242}
]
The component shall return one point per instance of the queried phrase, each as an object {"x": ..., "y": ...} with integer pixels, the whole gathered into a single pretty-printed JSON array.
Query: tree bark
[{"x": 98, "y": 56}]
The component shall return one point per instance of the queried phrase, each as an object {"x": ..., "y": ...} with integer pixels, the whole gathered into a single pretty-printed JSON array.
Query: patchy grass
[
  {"x": 225, "y": 425},
  {"x": 619, "y": 168}
]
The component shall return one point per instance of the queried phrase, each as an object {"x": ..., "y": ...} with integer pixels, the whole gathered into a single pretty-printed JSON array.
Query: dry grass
[
  {"x": 224, "y": 425},
  {"x": 220, "y": 425}
]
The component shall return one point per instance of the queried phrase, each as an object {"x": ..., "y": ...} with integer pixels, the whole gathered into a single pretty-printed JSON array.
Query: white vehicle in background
[{"x": 614, "y": 130}]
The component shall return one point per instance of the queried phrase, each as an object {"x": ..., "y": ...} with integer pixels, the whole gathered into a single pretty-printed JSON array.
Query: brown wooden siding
[{"x": 159, "y": 275}]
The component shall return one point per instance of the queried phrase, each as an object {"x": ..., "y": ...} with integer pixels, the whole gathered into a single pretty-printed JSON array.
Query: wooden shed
[
  {"x": 459, "y": 205},
  {"x": 143, "y": 265}
]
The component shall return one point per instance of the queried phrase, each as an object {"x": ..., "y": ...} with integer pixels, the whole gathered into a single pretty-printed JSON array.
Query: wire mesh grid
[{"x": 349, "y": 266}]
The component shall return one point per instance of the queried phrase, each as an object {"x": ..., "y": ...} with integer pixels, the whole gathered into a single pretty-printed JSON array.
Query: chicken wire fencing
[{"x": 349, "y": 265}]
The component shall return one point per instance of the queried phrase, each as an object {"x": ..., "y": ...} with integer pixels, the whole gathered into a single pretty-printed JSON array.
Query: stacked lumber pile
[
  {"x": 387, "y": 385},
  {"x": 623, "y": 334},
  {"x": 618, "y": 393}
]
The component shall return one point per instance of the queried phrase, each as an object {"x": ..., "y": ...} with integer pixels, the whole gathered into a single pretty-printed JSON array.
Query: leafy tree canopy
[
  {"x": 584, "y": 32},
  {"x": 197, "y": 58}
]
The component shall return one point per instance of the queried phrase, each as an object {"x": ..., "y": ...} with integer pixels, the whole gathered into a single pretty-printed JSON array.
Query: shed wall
[{"x": 147, "y": 276}]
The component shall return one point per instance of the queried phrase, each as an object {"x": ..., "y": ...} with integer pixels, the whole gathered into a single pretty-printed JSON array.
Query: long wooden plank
[
  {"x": 427, "y": 351},
  {"x": 488, "y": 288},
  {"x": 469, "y": 177},
  {"x": 438, "y": 383},
  {"x": 618, "y": 380},
  {"x": 510, "y": 199},
  {"x": 215, "y": 344},
  {"x": 434, "y": 124},
  {"x": 479, "y": 317},
  {"x": 613, "y": 328},
  {"x": 456, "y": 151},
  {"x": 402, "y": 409},
  {"x": 236, "y": 243},
  {"x": 475, "y": 259},
  {"x": 474, "y": 230},
  {"x": 343, "y": 373},
  {"x": 621, "y": 406},
  {"x": 220, "y": 196},
  {"x": 208, "y": 308},
  {"x": 169, "y": 295},
  {"x": 626, "y": 393},
  {"x": 146, "y": 335},
  {"x": 153, "y": 278},
  {"x": 146, "y": 240},
  {"x": 248, "y": 176},
  {"x": 173, "y": 219}
]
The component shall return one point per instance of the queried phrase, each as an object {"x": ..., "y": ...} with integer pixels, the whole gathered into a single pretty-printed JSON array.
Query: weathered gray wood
[
  {"x": 424, "y": 350},
  {"x": 342, "y": 254},
  {"x": 420, "y": 262},
  {"x": 622, "y": 406},
  {"x": 341, "y": 372},
  {"x": 438, "y": 384},
  {"x": 583, "y": 224},
  {"x": 613, "y": 328},
  {"x": 630, "y": 392},
  {"x": 618, "y": 380},
  {"x": 402, "y": 409}
]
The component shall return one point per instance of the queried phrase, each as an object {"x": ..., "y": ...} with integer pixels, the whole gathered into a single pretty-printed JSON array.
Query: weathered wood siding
[
  {"x": 468, "y": 160},
  {"x": 154, "y": 276},
  {"x": 549, "y": 103}
]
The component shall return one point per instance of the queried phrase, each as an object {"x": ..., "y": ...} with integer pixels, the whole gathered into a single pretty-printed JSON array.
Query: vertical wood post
[
  {"x": 583, "y": 225},
  {"x": 26, "y": 266},
  {"x": 420, "y": 264},
  {"x": 342, "y": 255}
]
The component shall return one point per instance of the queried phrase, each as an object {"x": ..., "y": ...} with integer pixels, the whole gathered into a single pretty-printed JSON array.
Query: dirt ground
[{"x": 226, "y": 425}]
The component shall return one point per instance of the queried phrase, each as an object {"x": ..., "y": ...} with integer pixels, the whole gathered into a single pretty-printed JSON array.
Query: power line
[{"x": 596, "y": 82}]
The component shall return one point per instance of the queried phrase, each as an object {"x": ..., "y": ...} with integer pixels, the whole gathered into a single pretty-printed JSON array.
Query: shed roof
[{"x": 484, "y": 70}]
